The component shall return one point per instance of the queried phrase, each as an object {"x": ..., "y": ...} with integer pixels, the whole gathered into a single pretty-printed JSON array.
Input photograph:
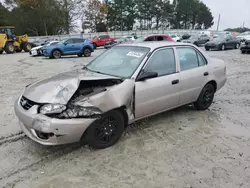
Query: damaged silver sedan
[{"x": 124, "y": 84}]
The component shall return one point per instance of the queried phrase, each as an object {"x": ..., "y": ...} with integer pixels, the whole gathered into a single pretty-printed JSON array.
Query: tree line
[{"x": 52, "y": 17}]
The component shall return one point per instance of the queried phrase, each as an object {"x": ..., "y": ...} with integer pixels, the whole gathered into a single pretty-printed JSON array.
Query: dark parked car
[
  {"x": 121, "y": 40},
  {"x": 197, "y": 39},
  {"x": 245, "y": 48},
  {"x": 186, "y": 36},
  {"x": 223, "y": 42}
]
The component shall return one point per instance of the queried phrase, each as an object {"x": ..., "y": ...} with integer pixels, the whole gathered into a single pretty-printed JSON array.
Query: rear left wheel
[
  {"x": 206, "y": 98},
  {"x": 106, "y": 131}
]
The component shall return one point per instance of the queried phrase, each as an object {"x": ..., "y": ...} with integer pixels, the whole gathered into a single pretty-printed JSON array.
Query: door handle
[
  {"x": 175, "y": 82},
  {"x": 206, "y": 73}
]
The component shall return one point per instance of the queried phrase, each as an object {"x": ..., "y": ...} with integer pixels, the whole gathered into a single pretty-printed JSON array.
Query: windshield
[
  {"x": 173, "y": 36},
  {"x": 63, "y": 41},
  {"x": 140, "y": 39},
  {"x": 95, "y": 37},
  {"x": 194, "y": 37},
  {"x": 220, "y": 37},
  {"x": 119, "y": 61}
]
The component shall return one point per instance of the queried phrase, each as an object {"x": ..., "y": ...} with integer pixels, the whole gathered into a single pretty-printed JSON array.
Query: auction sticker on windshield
[{"x": 135, "y": 54}]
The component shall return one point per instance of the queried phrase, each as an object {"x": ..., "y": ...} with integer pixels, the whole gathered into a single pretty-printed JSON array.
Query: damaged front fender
[{"x": 114, "y": 97}]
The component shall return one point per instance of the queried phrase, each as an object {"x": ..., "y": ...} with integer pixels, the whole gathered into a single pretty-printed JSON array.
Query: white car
[
  {"x": 176, "y": 38},
  {"x": 37, "y": 51}
]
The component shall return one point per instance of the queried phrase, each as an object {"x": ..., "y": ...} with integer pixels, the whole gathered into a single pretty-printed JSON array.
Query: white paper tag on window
[{"x": 135, "y": 54}]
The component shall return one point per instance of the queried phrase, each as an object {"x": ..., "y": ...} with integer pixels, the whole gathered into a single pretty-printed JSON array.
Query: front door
[
  {"x": 193, "y": 74},
  {"x": 69, "y": 47},
  {"x": 160, "y": 93}
]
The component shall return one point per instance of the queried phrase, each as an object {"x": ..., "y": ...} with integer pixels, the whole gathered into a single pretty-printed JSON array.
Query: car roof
[
  {"x": 156, "y": 44},
  {"x": 151, "y": 35}
]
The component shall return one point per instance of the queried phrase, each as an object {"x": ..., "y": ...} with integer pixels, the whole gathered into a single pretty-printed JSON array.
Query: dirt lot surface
[{"x": 182, "y": 148}]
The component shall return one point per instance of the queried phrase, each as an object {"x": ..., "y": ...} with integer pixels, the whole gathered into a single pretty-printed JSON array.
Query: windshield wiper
[{"x": 85, "y": 67}]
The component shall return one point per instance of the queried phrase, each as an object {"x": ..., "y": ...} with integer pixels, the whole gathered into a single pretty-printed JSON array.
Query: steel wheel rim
[
  {"x": 208, "y": 97},
  {"x": 106, "y": 132},
  {"x": 11, "y": 48},
  {"x": 223, "y": 47},
  {"x": 237, "y": 46}
]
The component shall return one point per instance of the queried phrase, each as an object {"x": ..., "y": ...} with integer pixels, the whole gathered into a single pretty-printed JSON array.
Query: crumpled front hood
[
  {"x": 37, "y": 48},
  {"x": 61, "y": 87}
]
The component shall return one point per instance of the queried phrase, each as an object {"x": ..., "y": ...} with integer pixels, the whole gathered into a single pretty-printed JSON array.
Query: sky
[{"x": 233, "y": 13}]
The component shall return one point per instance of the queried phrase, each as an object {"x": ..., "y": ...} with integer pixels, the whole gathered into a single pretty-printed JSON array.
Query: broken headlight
[
  {"x": 80, "y": 112},
  {"x": 52, "y": 109}
]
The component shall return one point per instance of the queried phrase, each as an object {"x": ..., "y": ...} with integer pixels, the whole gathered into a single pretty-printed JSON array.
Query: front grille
[{"x": 26, "y": 103}]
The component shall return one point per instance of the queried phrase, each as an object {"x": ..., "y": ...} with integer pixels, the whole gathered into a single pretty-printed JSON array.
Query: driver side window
[
  {"x": 162, "y": 62},
  {"x": 70, "y": 41}
]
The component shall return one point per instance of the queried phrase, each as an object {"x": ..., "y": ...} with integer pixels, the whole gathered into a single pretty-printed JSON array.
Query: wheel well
[
  {"x": 122, "y": 109},
  {"x": 55, "y": 50},
  {"x": 214, "y": 84},
  {"x": 86, "y": 47}
]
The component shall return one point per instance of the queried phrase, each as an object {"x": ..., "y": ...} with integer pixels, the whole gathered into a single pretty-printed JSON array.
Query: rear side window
[
  {"x": 159, "y": 38},
  {"x": 78, "y": 40},
  {"x": 104, "y": 37},
  {"x": 150, "y": 39},
  {"x": 162, "y": 62},
  {"x": 188, "y": 58}
]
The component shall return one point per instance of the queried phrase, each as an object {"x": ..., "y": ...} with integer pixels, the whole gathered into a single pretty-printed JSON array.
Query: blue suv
[{"x": 71, "y": 46}]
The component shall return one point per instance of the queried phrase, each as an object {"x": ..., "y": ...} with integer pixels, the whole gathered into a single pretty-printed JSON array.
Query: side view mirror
[{"x": 147, "y": 75}]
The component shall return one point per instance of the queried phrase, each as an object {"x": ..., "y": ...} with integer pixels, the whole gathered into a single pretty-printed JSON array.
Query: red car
[
  {"x": 101, "y": 40},
  {"x": 155, "y": 37}
]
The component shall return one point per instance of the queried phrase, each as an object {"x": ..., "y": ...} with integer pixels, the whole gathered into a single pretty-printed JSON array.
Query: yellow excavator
[{"x": 10, "y": 43}]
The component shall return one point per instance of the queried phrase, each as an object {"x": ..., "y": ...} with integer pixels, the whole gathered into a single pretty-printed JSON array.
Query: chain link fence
[{"x": 118, "y": 34}]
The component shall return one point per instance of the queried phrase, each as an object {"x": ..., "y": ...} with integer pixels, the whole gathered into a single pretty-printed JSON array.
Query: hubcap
[
  {"x": 223, "y": 47},
  {"x": 106, "y": 131}
]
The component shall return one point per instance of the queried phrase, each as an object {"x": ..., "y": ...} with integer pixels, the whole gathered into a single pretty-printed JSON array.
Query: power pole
[{"x": 218, "y": 24}]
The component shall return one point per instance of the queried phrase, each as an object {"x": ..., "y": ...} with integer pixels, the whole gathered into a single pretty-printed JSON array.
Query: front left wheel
[
  {"x": 56, "y": 54},
  {"x": 105, "y": 131},
  {"x": 206, "y": 97},
  {"x": 87, "y": 52}
]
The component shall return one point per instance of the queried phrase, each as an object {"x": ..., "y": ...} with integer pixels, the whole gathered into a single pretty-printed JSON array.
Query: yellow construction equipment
[{"x": 10, "y": 43}]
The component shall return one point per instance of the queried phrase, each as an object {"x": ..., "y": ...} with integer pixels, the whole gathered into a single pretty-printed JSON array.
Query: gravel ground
[{"x": 182, "y": 148}]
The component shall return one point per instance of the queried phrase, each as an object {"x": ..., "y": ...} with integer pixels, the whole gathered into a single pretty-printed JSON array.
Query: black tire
[
  {"x": 223, "y": 47},
  {"x": 206, "y": 98},
  {"x": 1, "y": 51},
  {"x": 18, "y": 50},
  {"x": 27, "y": 46},
  {"x": 243, "y": 51},
  {"x": 56, "y": 54},
  {"x": 207, "y": 49},
  {"x": 87, "y": 52},
  {"x": 106, "y": 131},
  {"x": 9, "y": 48},
  {"x": 79, "y": 55},
  {"x": 95, "y": 46},
  {"x": 196, "y": 44}
]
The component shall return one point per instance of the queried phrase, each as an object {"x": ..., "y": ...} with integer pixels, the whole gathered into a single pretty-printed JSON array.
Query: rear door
[
  {"x": 161, "y": 93},
  {"x": 193, "y": 73},
  {"x": 229, "y": 42},
  {"x": 151, "y": 38}
]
